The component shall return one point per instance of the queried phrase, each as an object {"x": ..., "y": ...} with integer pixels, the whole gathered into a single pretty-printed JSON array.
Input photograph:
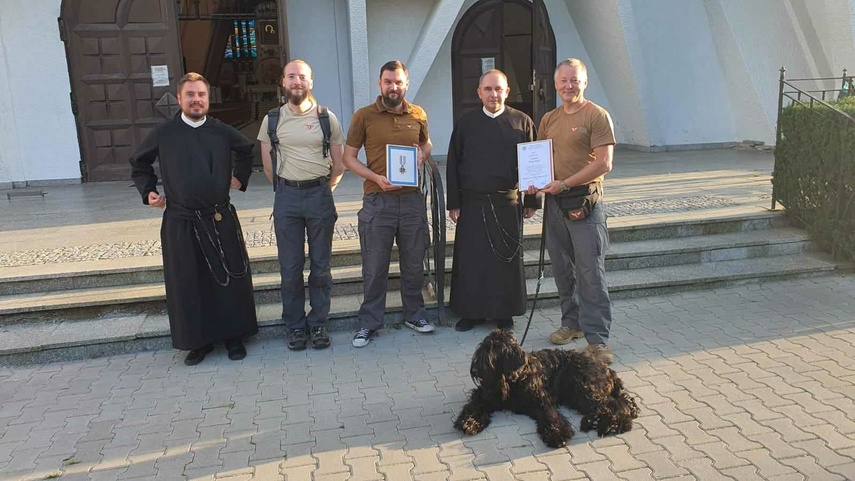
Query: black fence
[
  {"x": 431, "y": 187},
  {"x": 814, "y": 173}
]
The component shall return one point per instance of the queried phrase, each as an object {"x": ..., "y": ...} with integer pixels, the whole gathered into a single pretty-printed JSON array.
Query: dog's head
[{"x": 497, "y": 361}]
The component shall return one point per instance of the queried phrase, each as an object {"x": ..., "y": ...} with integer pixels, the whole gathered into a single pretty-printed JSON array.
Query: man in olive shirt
[
  {"x": 389, "y": 212},
  {"x": 303, "y": 207},
  {"x": 583, "y": 146}
]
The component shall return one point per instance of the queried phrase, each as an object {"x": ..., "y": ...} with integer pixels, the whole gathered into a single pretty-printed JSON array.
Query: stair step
[
  {"x": 148, "y": 270},
  {"x": 348, "y": 279},
  {"x": 45, "y": 341}
]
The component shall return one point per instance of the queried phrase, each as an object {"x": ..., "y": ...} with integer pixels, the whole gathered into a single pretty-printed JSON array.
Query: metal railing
[
  {"x": 793, "y": 92},
  {"x": 432, "y": 188},
  {"x": 789, "y": 91}
]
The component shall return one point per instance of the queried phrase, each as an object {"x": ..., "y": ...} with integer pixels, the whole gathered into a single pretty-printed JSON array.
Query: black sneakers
[
  {"x": 297, "y": 339},
  {"x": 320, "y": 337}
]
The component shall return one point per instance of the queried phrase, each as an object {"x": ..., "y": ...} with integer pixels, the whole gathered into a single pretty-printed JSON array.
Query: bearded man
[
  {"x": 209, "y": 294},
  {"x": 303, "y": 207}
]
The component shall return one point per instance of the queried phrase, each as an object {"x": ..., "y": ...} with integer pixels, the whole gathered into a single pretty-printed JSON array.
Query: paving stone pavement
[{"x": 751, "y": 382}]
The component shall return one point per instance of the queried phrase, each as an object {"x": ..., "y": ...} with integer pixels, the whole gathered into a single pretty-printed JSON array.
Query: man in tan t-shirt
[
  {"x": 389, "y": 213},
  {"x": 303, "y": 206},
  {"x": 583, "y": 146}
]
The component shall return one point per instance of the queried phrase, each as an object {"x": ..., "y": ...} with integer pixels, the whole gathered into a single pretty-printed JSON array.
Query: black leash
[{"x": 540, "y": 269}]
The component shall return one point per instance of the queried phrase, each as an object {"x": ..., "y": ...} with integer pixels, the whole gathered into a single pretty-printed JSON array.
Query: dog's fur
[{"x": 506, "y": 377}]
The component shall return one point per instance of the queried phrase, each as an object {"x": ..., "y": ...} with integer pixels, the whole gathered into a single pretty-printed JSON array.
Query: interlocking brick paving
[{"x": 747, "y": 382}]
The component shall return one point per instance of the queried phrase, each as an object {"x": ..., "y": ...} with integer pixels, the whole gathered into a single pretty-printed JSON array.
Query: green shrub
[{"x": 814, "y": 174}]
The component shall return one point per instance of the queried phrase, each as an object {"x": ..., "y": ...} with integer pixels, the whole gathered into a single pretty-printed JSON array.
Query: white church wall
[
  {"x": 685, "y": 87},
  {"x": 832, "y": 24},
  {"x": 39, "y": 137},
  {"x": 602, "y": 29},
  {"x": 568, "y": 44},
  {"x": 435, "y": 97},
  {"x": 318, "y": 34},
  {"x": 393, "y": 30},
  {"x": 768, "y": 36}
]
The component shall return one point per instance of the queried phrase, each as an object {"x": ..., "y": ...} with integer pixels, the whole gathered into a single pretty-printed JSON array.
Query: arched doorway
[
  {"x": 125, "y": 58},
  {"x": 514, "y": 36}
]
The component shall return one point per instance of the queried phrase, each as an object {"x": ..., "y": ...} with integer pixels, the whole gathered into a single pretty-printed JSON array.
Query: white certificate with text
[
  {"x": 534, "y": 162},
  {"x": 402, "y": 165}
]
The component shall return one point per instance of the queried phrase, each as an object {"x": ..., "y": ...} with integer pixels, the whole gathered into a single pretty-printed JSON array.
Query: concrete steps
[{"x": 99, "y": 311}]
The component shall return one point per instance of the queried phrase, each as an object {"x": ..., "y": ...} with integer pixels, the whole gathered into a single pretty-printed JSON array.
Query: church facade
[{"x": 83, "y": 81}]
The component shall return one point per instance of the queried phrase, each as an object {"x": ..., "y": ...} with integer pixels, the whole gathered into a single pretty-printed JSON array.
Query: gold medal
[{"x": 218, "y": 217}]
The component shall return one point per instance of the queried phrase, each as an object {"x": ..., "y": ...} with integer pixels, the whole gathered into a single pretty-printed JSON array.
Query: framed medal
[{"x": 402, "y": 165}]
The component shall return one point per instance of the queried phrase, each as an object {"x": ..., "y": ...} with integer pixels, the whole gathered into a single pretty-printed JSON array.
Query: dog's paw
[
  {"x": 470, "y": 426},
  {"x": 588, "y": 423},
  {"x": 555, "y": 438},
  {"x": 556, "y": 435}
]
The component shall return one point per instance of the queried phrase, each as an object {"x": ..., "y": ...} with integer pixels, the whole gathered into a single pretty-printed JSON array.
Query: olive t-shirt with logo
[
  {"x": 374, "y": 126},
  {"x": 575, "y": 136},
  {"x": 300, "y": 155}
]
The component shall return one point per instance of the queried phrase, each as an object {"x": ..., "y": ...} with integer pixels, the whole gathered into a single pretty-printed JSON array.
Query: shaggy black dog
[{"x": 506, "y": 377}]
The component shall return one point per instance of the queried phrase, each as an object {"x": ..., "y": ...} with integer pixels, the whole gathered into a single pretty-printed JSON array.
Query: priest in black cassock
[
  {"x": 487, "y": 278},
  {"x": 209, "y": 293}
]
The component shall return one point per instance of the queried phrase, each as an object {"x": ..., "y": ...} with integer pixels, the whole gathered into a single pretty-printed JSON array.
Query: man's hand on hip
[{"x": 156, "y": 200}]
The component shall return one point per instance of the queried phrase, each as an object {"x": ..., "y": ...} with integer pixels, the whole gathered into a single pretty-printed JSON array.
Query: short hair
[
  {"x": 302, "y": 62},
  {"x": 488, "y": 72},
  {"x": 393, "y": 65},
  {"x": 192, "y": 77},
  {"x": 571, "y": 62}
]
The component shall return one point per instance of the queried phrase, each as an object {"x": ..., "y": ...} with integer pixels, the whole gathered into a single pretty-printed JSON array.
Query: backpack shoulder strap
[
  {"x": 272, "y": 123},
  {"x": 324, "y": 120}
]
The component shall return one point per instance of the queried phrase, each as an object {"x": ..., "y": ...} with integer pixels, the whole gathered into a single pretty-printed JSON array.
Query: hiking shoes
[
  {"x": 602, "y": 352},
  {"x": 320, "y": 337},
  {"x": 565, "y": 334},
  {"x": 297, "y": 339}
]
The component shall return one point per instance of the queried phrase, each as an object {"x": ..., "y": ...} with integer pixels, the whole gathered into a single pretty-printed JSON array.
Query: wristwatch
[{"x": 564, "y": 187}]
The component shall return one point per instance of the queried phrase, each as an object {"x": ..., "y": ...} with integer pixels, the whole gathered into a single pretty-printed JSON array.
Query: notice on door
[
  {"x": 487, "y": 64},
  {"x": 160, "y": 76}
]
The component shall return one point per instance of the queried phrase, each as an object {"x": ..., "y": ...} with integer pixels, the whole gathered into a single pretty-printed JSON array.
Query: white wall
[
  {"x": 568, "y": 44},
  {"x": 602, "y": 27},
  {"x": 38, "y": 138},
  {"x": 318, "y": 34},
  {"x": 685, "y": 87}
]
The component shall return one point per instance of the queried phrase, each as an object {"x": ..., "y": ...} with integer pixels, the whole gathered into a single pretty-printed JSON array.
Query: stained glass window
[{"x": 242, "y": 42}]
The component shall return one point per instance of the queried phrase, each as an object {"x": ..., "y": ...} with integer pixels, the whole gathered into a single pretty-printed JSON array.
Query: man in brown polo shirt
[{"x": 389, "y": 212}]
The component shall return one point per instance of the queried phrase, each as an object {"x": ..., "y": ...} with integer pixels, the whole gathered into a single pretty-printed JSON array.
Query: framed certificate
[
  {"x": 534, "y": 161},
  {"x": 402, "y": 165}
]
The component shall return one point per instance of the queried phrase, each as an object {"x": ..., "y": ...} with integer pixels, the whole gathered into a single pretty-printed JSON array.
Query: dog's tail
[{"x": 615, "y": 415}]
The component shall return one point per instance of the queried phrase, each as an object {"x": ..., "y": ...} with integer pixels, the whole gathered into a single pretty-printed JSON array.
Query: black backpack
[{"x": 273, "y": 121}]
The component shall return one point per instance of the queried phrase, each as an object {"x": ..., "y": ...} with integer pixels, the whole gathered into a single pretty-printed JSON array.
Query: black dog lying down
[{"x": 535, "y": 383}]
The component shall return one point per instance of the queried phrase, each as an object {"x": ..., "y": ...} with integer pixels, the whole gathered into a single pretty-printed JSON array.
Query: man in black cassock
[
  {"x": 209, "y": 293},
  {"x": 487, "y": 278}
]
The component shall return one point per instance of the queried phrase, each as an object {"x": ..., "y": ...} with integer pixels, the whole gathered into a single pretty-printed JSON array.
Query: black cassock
[
  {"x": 487, "y": 278},
  {"x": 209, "y": 293}
]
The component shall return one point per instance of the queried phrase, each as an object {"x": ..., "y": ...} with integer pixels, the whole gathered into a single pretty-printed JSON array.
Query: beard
[
  {"x": 196, "y": 116},
  {"x": 393, "y": 102},
  {"x": 297, "y": 96}
]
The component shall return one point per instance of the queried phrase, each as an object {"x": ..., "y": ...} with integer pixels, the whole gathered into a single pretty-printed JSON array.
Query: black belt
[
  {"x": 175, "y": 210},
  {"x": 304, "y": 184}
]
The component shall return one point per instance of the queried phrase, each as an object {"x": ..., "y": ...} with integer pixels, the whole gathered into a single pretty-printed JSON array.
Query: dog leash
[{"x": 540, "y": 270}]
